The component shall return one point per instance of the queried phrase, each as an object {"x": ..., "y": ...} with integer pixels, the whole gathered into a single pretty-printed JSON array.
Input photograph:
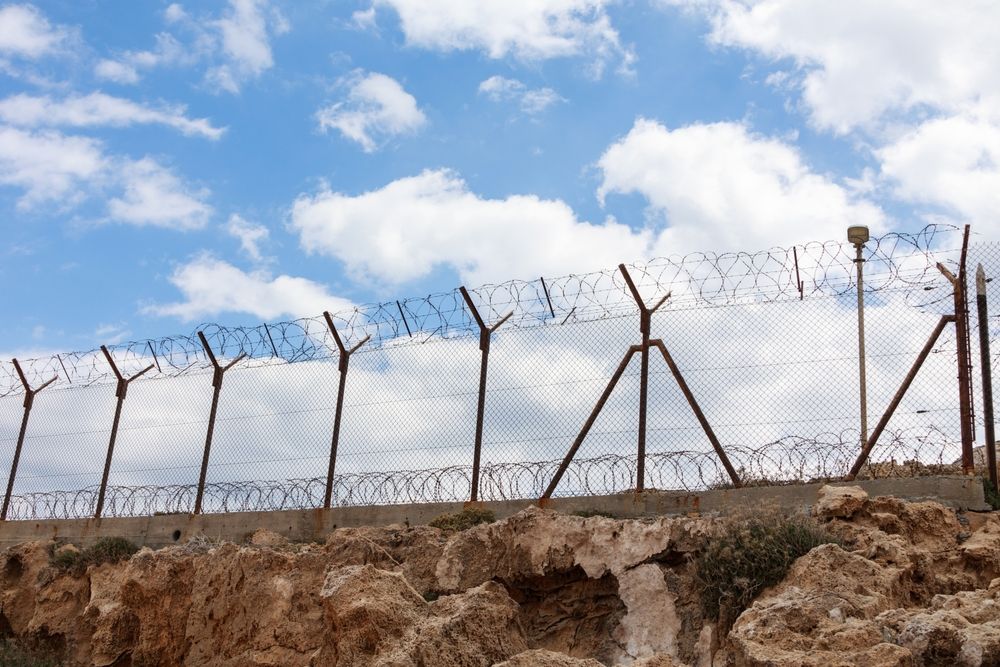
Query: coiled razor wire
[
  {"x": 895, "y": 261},
  {"x": 906, "y": 453}
]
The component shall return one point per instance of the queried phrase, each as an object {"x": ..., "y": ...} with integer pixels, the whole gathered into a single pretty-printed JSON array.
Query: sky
[{"x": 167, "y": 164}]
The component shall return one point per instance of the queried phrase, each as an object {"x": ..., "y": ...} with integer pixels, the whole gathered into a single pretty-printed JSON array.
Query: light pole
[{"x": 858, "y": 235}]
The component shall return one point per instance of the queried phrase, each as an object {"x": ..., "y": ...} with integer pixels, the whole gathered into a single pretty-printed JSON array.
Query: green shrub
[
  {"x": 990, "y": 494},
  {"x": 104, "y": 550},
  {"x": 750, "y": 554},
  {"x": 587, "y": 514},
  {"x": 16, "y": 653},
  {"x": 463, "y": 520}
]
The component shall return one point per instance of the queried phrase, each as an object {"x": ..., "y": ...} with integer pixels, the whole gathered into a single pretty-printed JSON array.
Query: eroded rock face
[{"x": 909, "y": 584}]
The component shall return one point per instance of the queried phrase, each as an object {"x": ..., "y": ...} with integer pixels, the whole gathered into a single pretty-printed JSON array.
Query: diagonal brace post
[
  {"x": 645, "y": 322},
  {"x": 485, "y": 336},
  {"x": 218, "y": 371},
  {"x": 719, "y": 451},
  {"x": 29, "y": 401},
  {"x": 120, "y": 392},
  {"x": 590, "y": 422},
  {"x": 900, "y": 393},
  {"x": 344, "y": 360}
]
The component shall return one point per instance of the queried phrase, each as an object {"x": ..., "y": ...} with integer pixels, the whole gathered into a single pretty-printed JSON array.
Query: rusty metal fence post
[
  {"x": 485, "y": 336},
  {"x": 29, "y": 400},
  {"x": 985, "y": 362},
  {"x": 967, "y": 420},
  {"x": 344, "y": 360},
  {"x": 645, "y": 322},
  {"x": 217, "y": 374},
  {"x": 120, "y": 391}
]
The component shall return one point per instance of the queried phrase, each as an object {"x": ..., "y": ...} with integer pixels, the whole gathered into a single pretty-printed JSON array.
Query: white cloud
[
  {"x": 530, "y": 31},
  {"x": 250, "y": 236},
  {"x": 98, "y": 109},
  {"x": 857, "y": 60},
  {"x": 720, "y": 187},
  {"x": 377, "y": 108},
  {"x": 709, "y": 187},
  {"x": 155, "y": 196},
  {"x": 245, "y": 32},
  {"x": 25, "y": 32},
  {"x": 49, "y": 166},
  {"x": 211, "y": 286},
  {"x": 950, "y": 162},
  {"x": 118, "y": 72},
  {"x": 531, "y": 101},
  {"x": 407, "y": 228},
  {"x": 235, "y": 46}
]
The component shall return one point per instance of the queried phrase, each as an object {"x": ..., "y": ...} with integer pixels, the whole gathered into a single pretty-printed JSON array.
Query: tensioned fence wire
[{"x": 766, "y": 340}]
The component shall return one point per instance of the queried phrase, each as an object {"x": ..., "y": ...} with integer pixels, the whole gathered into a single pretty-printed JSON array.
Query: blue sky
[{"x": 166, "y": 164}]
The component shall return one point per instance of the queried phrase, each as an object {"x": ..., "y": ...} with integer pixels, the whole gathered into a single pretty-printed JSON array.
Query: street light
[{"x": 858, "y": 235}]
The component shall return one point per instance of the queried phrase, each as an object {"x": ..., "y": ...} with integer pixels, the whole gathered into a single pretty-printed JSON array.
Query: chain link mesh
[{"x": 766, "y": 341}]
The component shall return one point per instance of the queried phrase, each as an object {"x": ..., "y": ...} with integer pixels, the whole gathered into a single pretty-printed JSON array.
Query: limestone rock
[
  {"x": 839, "y": 501},
  {"x": 262, "y": 537},
  {"x": 543, "y": 658}
]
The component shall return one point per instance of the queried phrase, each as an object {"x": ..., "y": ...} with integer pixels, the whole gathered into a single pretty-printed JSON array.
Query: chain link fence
[{"x": 766, "y": 342}]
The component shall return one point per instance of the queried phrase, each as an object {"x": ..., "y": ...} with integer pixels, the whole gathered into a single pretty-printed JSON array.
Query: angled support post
[
  {"x": 120, "y": 392},
  {"x": 900, "y": 393},
  {"x": 985, "y": 365},
  {"x": 29, "y": 400},
  {"x": 645, "y": 322},
  {"x": 550, "y": 489},
  {"x": 716, "y": 445},
  {"x": 485, "y": 336},
  {"x": 345, "y": 358},
  {"x": 218, "y": 372}
]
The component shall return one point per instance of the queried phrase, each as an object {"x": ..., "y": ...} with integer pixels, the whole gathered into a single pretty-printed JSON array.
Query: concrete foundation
[{"x": 965, "y": 493}]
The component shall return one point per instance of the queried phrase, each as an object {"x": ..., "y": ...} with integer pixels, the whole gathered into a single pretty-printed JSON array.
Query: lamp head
[{"x": 857, "y": 234}]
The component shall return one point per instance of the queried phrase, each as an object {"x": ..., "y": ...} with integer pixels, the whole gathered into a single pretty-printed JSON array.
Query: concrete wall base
[{"x": 960, "y": 492}]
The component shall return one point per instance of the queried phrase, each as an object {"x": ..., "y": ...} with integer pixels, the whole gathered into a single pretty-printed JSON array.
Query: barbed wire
[
  {"x": 895, "y": 261},
  {"x": 909, "y": 452}
]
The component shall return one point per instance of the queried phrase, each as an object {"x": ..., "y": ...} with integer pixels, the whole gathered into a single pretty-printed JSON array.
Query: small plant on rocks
[
  {"x": 104, "y": 550},
  {"x": 463, "y": 520},
  {"x": 750, "y": 554}
]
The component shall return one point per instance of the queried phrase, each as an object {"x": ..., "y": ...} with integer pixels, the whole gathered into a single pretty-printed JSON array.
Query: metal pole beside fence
[
  {"x": 645, "y": 324},
  {"x": 485, "y": 336},
  {"x": 217, "y": 373},
  {"x": 985, "y": 362},
  {"x": 29, "y": 401},
  {"x": 120, "y": 391},
  {"x": 344, "y": 360}
]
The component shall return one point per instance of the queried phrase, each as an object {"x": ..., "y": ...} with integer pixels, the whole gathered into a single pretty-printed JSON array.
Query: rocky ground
[{"x": 913, "y": 584}]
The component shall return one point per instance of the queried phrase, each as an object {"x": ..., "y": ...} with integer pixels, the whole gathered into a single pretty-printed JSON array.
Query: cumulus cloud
[
  {"x": 712, "y": 186},
  {"x": 25, "y": 32},
  {"x": 915, "y": 78},
  {"x": 212, "y": 286},
  {"x": 245, "y": 32},
  {"x": 154, "y": 196},
  {"x": 236, "y": 46},
  {"x": 249, "y": 235},
  {"x": 412, "y": 225},
  {"x": 116, "y": 71},
  {"x": 856, "y": 60},
  {"x": 377, "y": 108},
  {"x": 719, "y": 186},
  {"x": 50, "y": 166},
  {"x": 99, "y": 109},
  {"x": 528, "y": 31},
  {"x": 952, "y": 163},
  {"x": 531, "y": 101}
]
